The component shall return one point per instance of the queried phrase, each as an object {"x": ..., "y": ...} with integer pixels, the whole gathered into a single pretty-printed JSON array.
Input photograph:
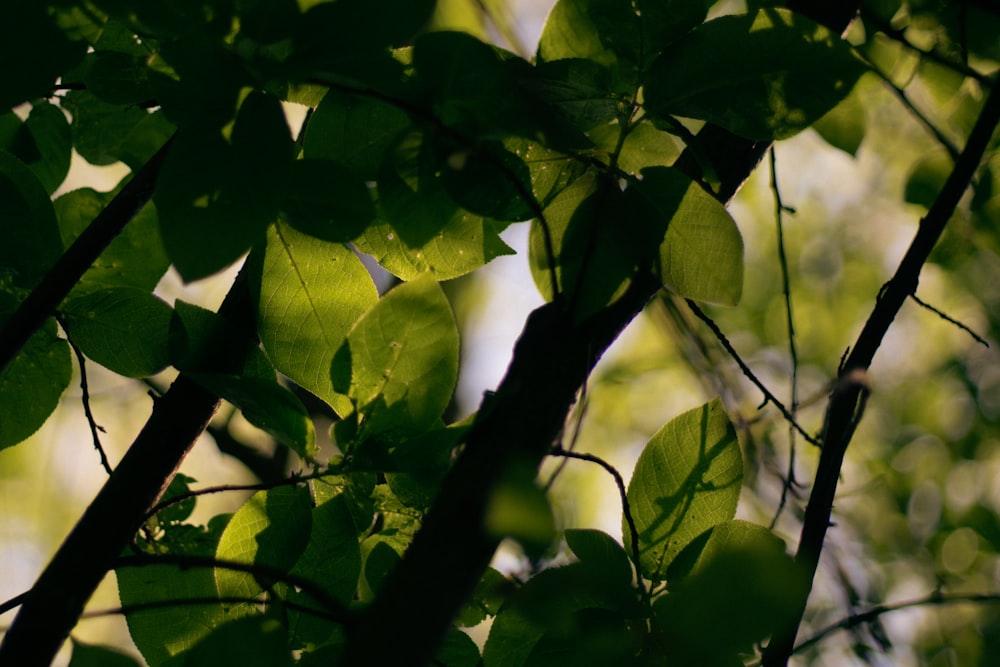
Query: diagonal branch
[
  {"x": 66, "y": 272},
  {"x": 848, "y": 398},
  {"x": 55, "y": 602}
]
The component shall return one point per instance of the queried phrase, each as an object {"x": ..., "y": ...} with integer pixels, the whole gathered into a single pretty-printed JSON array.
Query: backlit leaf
[
  {"x": 400, "y": 362},
  {"x": 686, "y": 480},
  {"x": 309, "y": 293}
]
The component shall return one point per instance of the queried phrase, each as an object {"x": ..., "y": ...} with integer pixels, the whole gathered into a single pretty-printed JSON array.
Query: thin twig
[
  {"x": 66, "y": 272},
  {"x": 947, "y": 318},
  {"x": 868, "y": 616},
  {"x": 577, "y": 426},
  {"x": 224, "y": 488},
  {"x": 137, "y": 607},
  {"x": 626, "y": 508},
  {"x": 901, "y": 95},
  {"x": 843, "y": 408},
  {"x": 338, "y": 611},
  {"x": 768, "y": 396},
  {"x": 85, "y": 399},
  {"x": 933, "y": 55},
  {"x": 779, "y": 209}
]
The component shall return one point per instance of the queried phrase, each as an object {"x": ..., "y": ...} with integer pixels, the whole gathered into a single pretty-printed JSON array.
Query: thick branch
[
  {"x": 68, "y": 269},
  {"x": 514, "y": 431},
  {"x": 56, "y": 601},
  {"x": 851, "y": 389}
]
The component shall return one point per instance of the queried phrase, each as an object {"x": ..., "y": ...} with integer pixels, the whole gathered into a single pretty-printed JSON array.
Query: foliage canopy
[{"x": 308, "y": 141}]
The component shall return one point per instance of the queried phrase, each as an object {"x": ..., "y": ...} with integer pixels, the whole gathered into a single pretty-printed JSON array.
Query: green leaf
[
  {"x": 927, "y": 177},
  {"x": 49, "y": 135},
  {"x": 400, "y": 362},
  {"x": 268, "y": 406},
  {"x": 420, "y": 229},
  {"x": 135, "y": 258},
  {"x": 122, "y": 328},
  {"x": 35, "y": 52},
  {"x": 738, "y": 577},
  {"x": 32, "y": 383},
  {"x": 199, "y": 193},
  {"x": 489, "y": 180},
  {"x": 778, "y": 73},
  {"x": 325, "y": 200},
  {"x": 486, "y": 599},
  {"x": 86, "y": 655},
  {"x": 245, "y": 641},
  {"x": 309, "y": 293},
  {"x": 603, "y": 31},
  {"x": 353, "y": 130},
  {"x": 686, "y": 480},
  {"x": 557, "y": 610},
  {"x": 31, "y": 235},
  {"x": 578, "y": 90},
  {"x": 457, "y": 650},
  {"x": 118, "y": 77},
  {"x": 202, "y": 341},
  {"x": 101, "y": 131},
  {"x": 844, "y": 126},
  {"x": 701, "y": 255},
  {"x": 331, "y": 560},
  {"x": 644, "y": 146},
  {"x": 164, "y": 632},
  {"x": 472, "y": 88},
  {"x": 600, "y": 553},
  {"x": 270, "y": 529}
]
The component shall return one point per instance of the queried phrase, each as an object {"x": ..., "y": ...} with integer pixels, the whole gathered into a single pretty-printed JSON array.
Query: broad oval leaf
[
  {"x": 686, "y": 480},
  {"x": 86, "y": 655},
  {"x": 124, "y": 329},
  {"x": 135, "y": 258},
  {"x": 332, "y": 560},
  {"x": 736, "y": 576},
  {"x": 31, "y": 235},
  {"x": 400, "y": 362},
  {"x": 777, "y": 73},
  {"x": 268, "y": 406},
  {"x": 701, "y": 255},
  {"x": 270, "y": 529},
  {"x": 309, "y": 293},
  {"x": 32, "y": 383}
]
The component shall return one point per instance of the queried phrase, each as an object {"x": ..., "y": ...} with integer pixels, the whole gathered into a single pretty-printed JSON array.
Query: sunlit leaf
[
  {"x": 701, "y": 255},
  {"x": 309, "y": 293},
  {"x": 400, "y": 362},
  {"x": 271, "y": 529},
  {"x": 686, "y": 480}
]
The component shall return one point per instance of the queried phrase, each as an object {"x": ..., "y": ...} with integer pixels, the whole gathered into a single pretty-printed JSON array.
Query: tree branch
[
  {"x": 56, "y": 601},
  {"x": 842, "y": 410},
  {"x": 513, "y": 432},
  {"x": 68, "y": 269}
]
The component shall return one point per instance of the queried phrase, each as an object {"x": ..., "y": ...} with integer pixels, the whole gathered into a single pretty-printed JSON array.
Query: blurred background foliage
[{"x": 918, "y": 510}]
